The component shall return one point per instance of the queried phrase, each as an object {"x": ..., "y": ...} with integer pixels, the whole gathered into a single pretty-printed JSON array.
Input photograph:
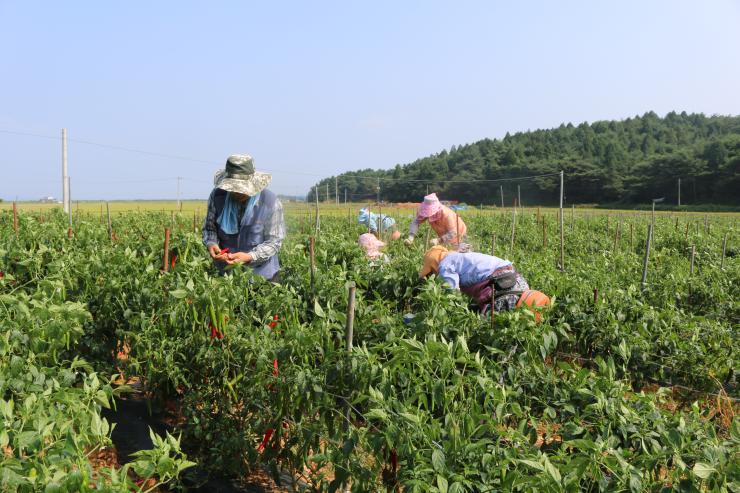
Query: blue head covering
[{"x": 227, "y": 219}]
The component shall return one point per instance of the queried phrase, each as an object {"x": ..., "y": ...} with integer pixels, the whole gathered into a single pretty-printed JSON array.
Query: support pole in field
[
  {"x": 313, "y": 265},
  {"x": 686, "y": 235},
  {"x": 519, "y": 196},
  {"x": 327, "y": 192},
  {"x": 345, "y": 196},
  {"x": 493, "y": 244},
  {"x": 724, "y": 249},
  {"x": 647, "y": 254},
  {"x": 501, "y": 187},
  {"x": 348, "y": 336},
  {"x": 317, "y": 226},
  {"x": 693, "y": 257},
  {"x": 65, "y": 172},
  {"x": 676, "y": 227},
  {"x": 596, "y": 296},
  {"x": 166, "y": 256},
  {"x": 562, "y": 232},
  {"x": 706, "y": 223},
  {"x": 457, "y": 230},
  {"x": 110, "y": 226},
  {"x": 493, "y": 303},
  {"x": 513, "y": 230},
  {"x": 336, "y": 190},
  {"x": 632, "y": 236},
  {"x": 544, "y": 235},
  {"x": 15, "y": 218},
  {"x": 195, "y": 225}
]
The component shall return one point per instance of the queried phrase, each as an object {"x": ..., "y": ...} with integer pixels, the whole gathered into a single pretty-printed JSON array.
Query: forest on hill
[{"x": 606, "y": 162}]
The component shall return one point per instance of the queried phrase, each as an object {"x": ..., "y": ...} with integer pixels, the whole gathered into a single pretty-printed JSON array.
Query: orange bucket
[{"x": 533, "y": 299}]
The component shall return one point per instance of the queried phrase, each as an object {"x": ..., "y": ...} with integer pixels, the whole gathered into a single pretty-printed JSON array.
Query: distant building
[{"x": 49, "y": 200}]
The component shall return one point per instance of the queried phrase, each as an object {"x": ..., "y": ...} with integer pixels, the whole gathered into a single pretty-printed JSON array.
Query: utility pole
[
  {"x": 65, "y": 173},
  {"x": 327, "y": 191},
  {"x": 502, "y": 196},
  {"x": 336, "y": 190},
  {"x": 679, "y": 192},
  {"x": 378, "y": 190},
  {"x": 345, "y": 196}
]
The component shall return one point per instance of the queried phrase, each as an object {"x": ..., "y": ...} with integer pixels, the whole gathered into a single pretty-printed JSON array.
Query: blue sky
[{"x": 312, "y": 89}]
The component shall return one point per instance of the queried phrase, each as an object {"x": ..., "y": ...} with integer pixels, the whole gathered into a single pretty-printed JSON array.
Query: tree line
[{"x": 606, "y": 162}]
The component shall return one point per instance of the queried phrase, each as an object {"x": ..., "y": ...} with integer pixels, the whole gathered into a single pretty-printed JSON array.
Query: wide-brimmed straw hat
[
  {"x": 432, "y": 259},
  {"x": 430, "y": 206},
  {"x": 239, "y": 176}
]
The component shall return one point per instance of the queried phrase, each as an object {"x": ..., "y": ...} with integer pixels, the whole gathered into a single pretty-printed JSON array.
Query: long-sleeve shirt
[
  {"x": 446, "y": 226},
  {"x": 372, "y": 219},
  {"x": 467, "y": 269},
  {"x": 274, "y": 230}
]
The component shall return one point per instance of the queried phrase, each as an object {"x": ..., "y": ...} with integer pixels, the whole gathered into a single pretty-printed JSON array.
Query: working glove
[{"x": 408, "y": 241}]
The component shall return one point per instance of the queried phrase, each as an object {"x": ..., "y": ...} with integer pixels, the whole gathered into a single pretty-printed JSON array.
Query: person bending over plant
[{"x": 482, "y": 277}]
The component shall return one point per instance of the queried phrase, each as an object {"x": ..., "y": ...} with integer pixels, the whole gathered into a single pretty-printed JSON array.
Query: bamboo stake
[
  {"x": 166, "y": 256},
  {"x": 724, "y": 249},
  {"x": 693, "y": 256}
]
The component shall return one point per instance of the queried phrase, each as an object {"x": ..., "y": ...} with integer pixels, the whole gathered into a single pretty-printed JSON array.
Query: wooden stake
[
  {"x": 544, "y": 235},
  {"x": 493, "y": 305},
  {"x": 686, "y": 236},
  {"x": 513, "y": 230},
  {"x": 166, "y": 259},
  {"x": 596, "y": 296},
  {"x": 647, "y": 255},
  {"x": 493, "y": 244},
  {"x": 313, "y": 264},
  {"x": 693, "y": 256},
  {"x": 724, "y": 249},
  {"x": 632, "y": 236},
  {"x": 69, "y": 232},
  {"x": 15, "y": 218}
]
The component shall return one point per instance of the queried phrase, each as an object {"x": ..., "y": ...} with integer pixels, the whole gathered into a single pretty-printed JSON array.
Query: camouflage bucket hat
[{"x": 239, "y": 176}]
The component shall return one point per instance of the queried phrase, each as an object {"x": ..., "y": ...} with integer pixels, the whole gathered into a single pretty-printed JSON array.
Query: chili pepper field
[{"x": 623, "y": 385}]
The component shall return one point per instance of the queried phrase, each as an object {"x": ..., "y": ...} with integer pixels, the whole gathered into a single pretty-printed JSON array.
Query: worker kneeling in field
[
  {"x": 244, "y": 223},
  {"x": 372, "y": 220},
  {"x": 450, "y": 228},
  {"x": 480, "y": 276},
  {"x": 372, "y": 245}
]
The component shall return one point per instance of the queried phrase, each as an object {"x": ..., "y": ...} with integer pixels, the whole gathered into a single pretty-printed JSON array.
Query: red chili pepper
[
  {"x": 275, "y": 367},
  {"x": 265, "y": 439},
  {"x": 172, "y": 264},
  {"x": 215, "y": 333},
  {"x": 274, "y": 322}
]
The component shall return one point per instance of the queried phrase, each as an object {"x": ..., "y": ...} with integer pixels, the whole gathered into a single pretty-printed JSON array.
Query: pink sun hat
[
  {"x": 370, "y": 243},
  {"x": 430, "y": 206}
]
